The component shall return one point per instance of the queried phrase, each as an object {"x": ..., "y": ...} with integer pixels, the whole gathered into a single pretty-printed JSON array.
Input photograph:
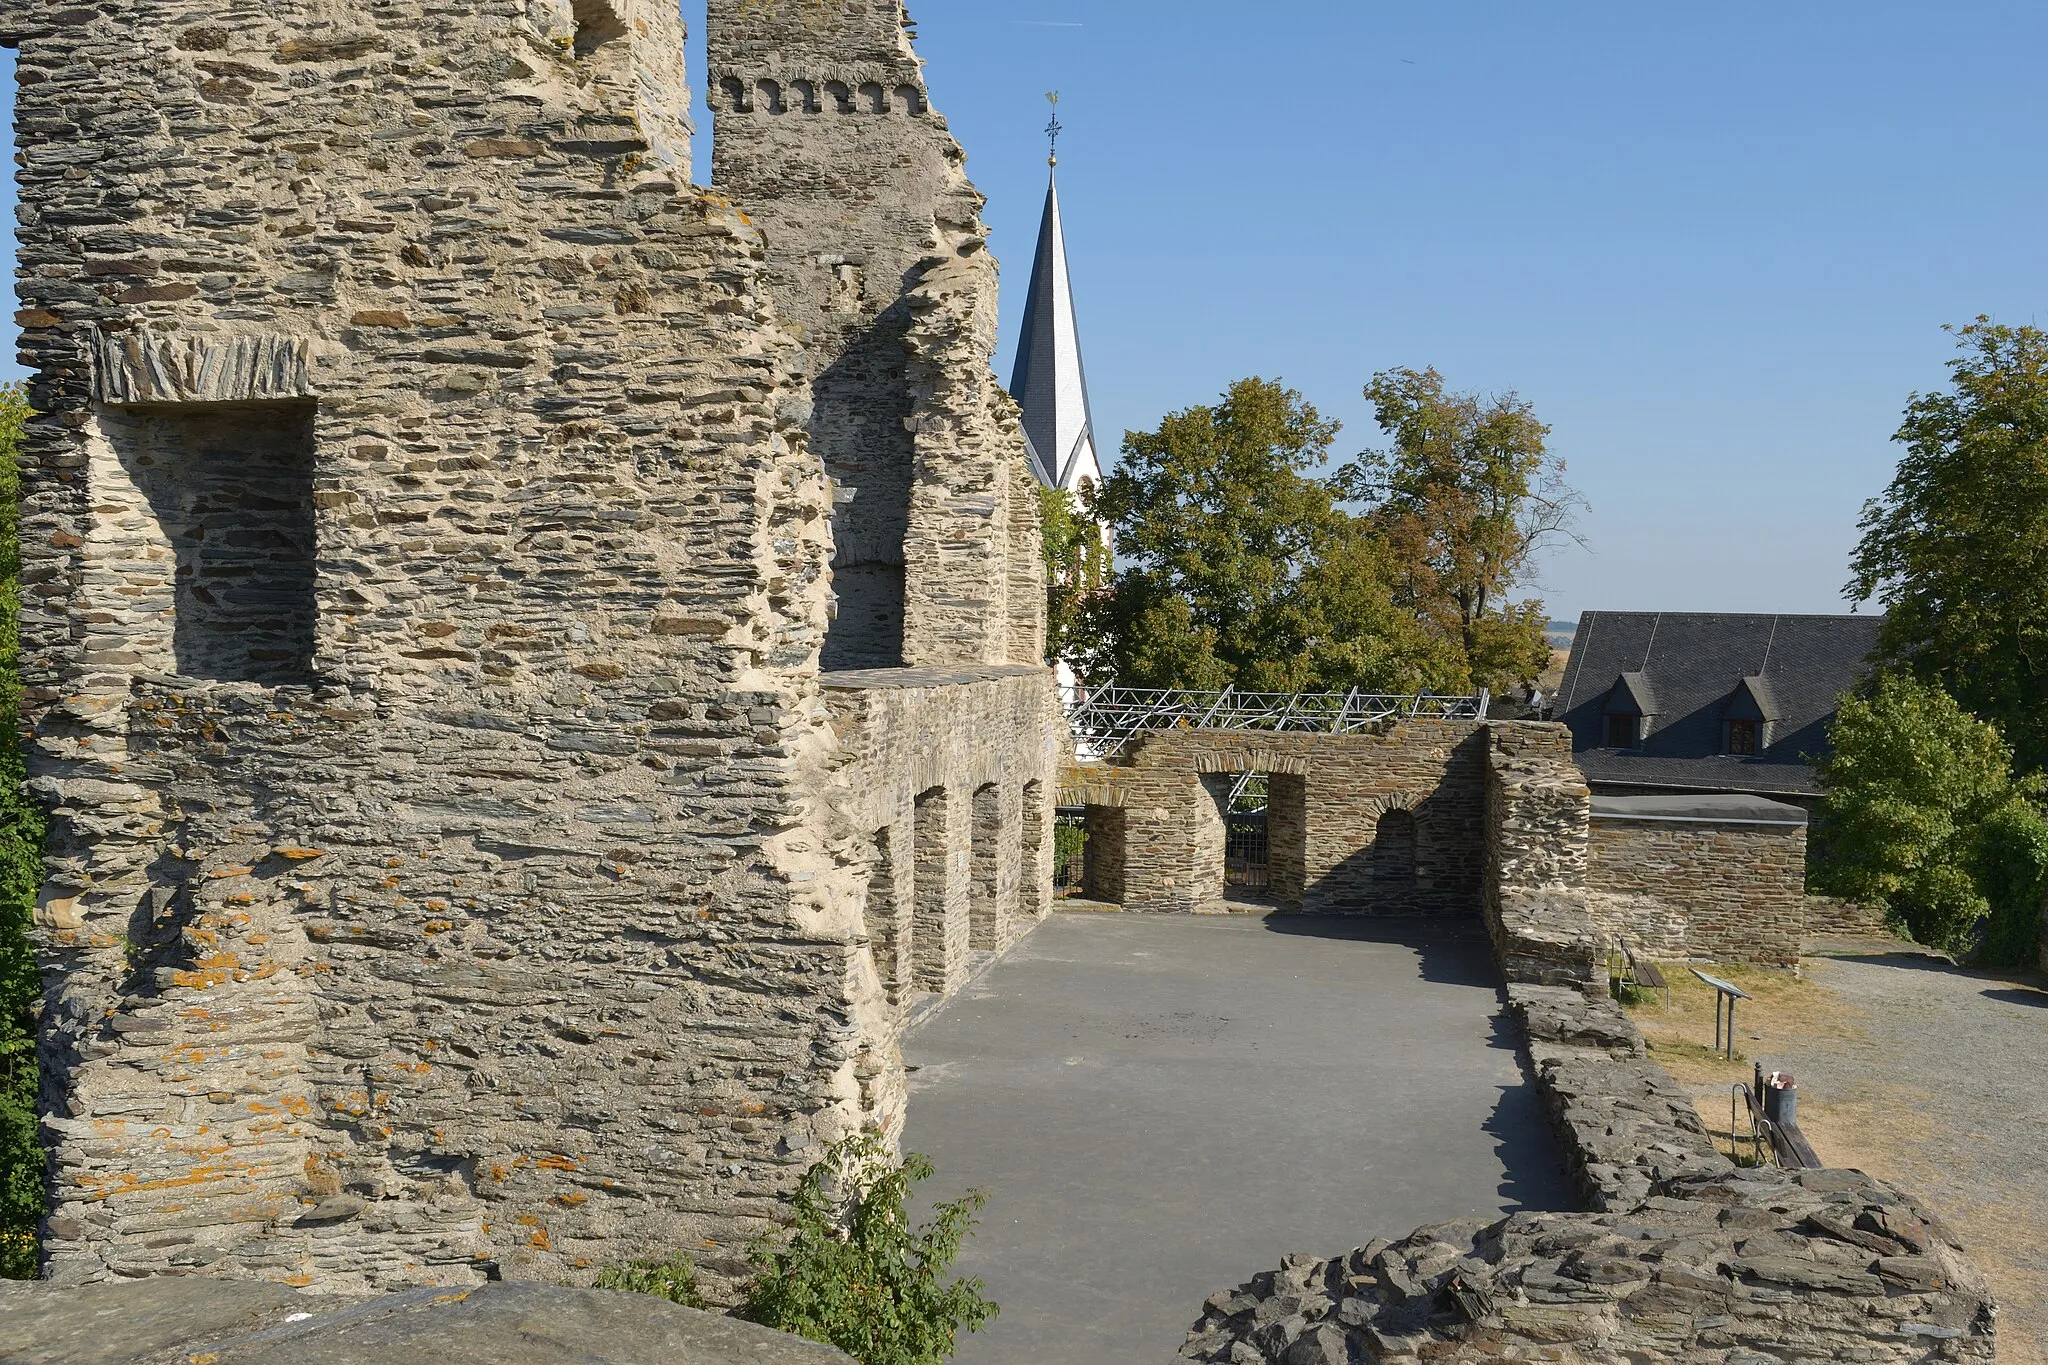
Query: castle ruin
[{"x": 536, "y": 665}]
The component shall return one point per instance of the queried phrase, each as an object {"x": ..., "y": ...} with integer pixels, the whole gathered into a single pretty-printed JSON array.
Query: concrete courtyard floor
[{"x": 1160, "y": 1107}]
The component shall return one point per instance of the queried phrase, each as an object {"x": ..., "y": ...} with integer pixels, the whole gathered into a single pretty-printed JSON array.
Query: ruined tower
[
  {"x": 825, "y": 130},
  {"x": 461, "y": 864}
]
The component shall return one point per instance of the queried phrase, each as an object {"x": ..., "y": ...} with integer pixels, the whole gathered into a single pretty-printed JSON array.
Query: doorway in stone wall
[{"x": 1247, "y": 841}]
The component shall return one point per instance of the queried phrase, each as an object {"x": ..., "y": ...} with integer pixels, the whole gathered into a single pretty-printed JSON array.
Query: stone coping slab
[
  {"x": 893, "y": 679},
  {"x": 180, "y": 1320},
  {"x": 1702, "y": 810}
]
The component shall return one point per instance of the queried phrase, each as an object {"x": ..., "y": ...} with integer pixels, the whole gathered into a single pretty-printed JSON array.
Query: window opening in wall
[
  {"x": 1742, "y": 736},
  {"x": 225, "y": 502},
  {"x": 1247, "y": 862},
  {"x": 1624, "y": 732},
  {"x": 1393, "y": 850},
  {"x": 597, "y": 24}
]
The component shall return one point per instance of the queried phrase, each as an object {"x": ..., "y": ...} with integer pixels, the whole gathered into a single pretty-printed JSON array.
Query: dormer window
[
  {"x": 1746, "y": 719},
  {"x": 1630, "y": 711}
]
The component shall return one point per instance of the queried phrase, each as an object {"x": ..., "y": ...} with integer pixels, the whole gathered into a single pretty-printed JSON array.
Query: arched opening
[
  {"x": 909, "y": 100},
  {"x": 804, "y": 97},
  {"x": 770, "y": 93},
  {"x": 841, "y": 95},
  {"x": 874, "y": 99},
  {"x": 1247, "y": 838},
  {"x": 734, "y": 92},
  {"x": 1393, "y": 852}
]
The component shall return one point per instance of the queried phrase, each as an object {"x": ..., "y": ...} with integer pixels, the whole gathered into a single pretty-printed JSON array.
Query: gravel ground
[{"x": 1938, "y": 1086}]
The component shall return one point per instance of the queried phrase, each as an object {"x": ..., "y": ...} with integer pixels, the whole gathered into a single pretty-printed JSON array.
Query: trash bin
[{"x": 1781, "y": 1098}]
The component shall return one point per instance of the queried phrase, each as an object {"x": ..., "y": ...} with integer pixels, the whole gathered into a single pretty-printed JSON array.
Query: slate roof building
[
  {"x": 1050, "y": 382},
  {"x": 1670, "y": 703}
]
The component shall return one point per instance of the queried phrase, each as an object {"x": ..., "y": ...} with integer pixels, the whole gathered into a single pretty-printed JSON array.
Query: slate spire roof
[{"x": 1050, "y": 381}]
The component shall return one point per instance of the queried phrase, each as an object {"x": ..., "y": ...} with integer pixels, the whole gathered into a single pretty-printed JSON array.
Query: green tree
[
  {"x": 1238, "y": 568},
  {"x": 21, "y": 872},
  {"x": 1923, "y": 815},
  {"x": 1076, "y": 564},
  {"x": 1467, "y": 496},
  {"x": 1957, "y": 547},
  {"x": 855, "y": 1273}
]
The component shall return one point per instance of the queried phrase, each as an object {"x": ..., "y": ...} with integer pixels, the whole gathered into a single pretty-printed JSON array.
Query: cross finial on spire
[{"x": 1055, "y": 128}]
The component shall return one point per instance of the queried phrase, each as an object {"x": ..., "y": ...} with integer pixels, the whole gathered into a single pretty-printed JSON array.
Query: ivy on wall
[{"x": 21, "y": 843}]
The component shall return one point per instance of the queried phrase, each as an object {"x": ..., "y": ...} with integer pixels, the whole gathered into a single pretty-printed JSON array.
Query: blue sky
[{"x": 1714, "y": 244}]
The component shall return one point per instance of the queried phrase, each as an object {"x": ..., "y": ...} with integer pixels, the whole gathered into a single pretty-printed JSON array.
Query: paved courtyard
[{"x": 1161, "y": 1106}]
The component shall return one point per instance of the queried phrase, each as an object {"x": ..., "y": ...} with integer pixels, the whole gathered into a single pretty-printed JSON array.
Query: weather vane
[{"x": 1055, "y": 128}]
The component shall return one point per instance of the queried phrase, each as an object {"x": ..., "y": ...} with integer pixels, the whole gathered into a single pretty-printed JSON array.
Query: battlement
[{"x": 855, "y": 95}]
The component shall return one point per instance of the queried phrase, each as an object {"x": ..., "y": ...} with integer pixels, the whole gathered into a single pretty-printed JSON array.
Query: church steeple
[{"x": 1050, "y": 381}]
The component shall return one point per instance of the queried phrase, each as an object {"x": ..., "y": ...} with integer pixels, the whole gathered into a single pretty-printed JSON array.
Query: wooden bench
[
  {"x": 1643, "y": 972},
  {"x": 1789, "y": 1147}
]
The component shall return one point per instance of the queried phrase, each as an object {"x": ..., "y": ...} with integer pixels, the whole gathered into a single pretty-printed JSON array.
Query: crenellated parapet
[{"x": 849, "y": 93}]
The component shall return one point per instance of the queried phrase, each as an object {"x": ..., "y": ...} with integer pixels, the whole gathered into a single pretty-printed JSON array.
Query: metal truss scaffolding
[{"x": 1107, "y": 718}]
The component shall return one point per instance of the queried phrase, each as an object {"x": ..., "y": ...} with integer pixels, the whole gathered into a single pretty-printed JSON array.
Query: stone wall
[
  {"x": 1386, "y": 822},
  {"x": 949, "y": 788},
  {"x": 1832, "y": 915},
  {"x": 1724, "y": 890},
  {"x": 427, "y": 575},
  {"x": 1683, "y": 1257},
  {"x": 1537, "y": 809},
  {"x": 1700, "y": 889},
  {"x": 878, "y": 259}
]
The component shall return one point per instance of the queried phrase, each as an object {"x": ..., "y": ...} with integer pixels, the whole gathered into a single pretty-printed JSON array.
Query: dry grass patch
[{"x": 1785, "y": 1011}]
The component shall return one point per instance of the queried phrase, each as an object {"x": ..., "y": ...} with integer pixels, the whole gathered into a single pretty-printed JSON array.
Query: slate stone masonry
[
  {"x": 1328, "y": 795},
  {"x": 458, "y": 868},
  {"x": 1716, "y": 890}
]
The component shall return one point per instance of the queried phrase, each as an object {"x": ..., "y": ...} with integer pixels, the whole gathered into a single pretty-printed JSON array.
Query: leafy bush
[
  {"x": 1924, "y": 816},
  {"x": 674, "y": 1279},
  {"x": 855, "y": 1274},
  {"x": 21, "y": 872},
  {"x": 2011, "y": 866}
]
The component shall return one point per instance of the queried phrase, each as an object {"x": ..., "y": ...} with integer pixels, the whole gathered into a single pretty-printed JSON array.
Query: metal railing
[{"x": 1107, "y": 718}]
